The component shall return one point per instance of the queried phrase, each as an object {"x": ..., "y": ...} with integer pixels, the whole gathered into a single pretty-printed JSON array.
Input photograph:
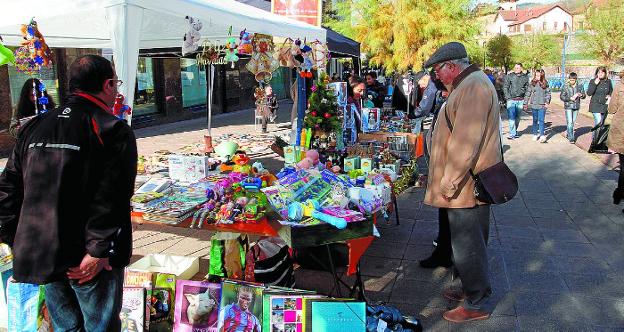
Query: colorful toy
[
  {"x": 225, "y": 150},
  {"x": 192, "y": 36},
  {"x": 6, "y": 55},
  {"x": 35, "y": 44},
  {"x": 245, "y": 46},
  {"x": 297, "y": 210},
  {"x": 231, "y": 45},
  {"x": 252, "y": 184},
  {"x": 119, "y": 108}
]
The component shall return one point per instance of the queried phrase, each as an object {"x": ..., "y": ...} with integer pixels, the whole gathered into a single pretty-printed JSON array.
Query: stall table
[{"x": 358, "y": 236}]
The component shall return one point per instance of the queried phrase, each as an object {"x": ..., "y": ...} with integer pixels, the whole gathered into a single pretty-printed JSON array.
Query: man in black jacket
[
  {"x": 515, "y": 88},
  {"x": 65, "y": 201}
]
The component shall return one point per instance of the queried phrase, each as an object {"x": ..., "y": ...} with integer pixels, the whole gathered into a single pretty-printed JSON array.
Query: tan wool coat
[
  {"x": 473, "y": 111},
  {"x": 615, "y": 141}
]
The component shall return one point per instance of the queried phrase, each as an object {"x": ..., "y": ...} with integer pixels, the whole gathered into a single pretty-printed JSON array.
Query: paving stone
[
  {"x": 518, "y": 221},
  {"x": 495, "y": 323},
  {"x": 515, "y": 231},
  {"x": 602, "y": 311},
  {"x": 385, "y": 250},
  {"x": 377, "y": 266},
  {"x": 594, "y": 283},
  {"x": 532, "y": 323},
  {"x": 418, "y": 292},
  {"x": 395, "y": 235},
  {"x": 564, "y": 235},
  {"x": 541, "y": 281},
  {"x": 430, "y": 317},
  {"x": 560, "y": 308},
  {"x": 411, "y": 270}
]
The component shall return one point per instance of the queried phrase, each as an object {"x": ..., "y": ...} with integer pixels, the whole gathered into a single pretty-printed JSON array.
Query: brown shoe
[
  {"x": 454, "y": 295},
  {"x": 461, "y": 315}
]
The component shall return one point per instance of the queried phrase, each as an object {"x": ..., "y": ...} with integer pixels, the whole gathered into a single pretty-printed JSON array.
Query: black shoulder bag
[{"x": 496, "y": 184}]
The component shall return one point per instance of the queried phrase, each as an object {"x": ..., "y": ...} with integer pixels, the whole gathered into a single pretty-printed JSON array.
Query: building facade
[{"x": 551, "y": 19}]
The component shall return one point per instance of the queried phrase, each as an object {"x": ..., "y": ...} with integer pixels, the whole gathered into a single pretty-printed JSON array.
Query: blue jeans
[
  {"x": 571, "y": 119},
  {"x": 514, "y": 109},
  {"x": 539, "y": 115},
  {"x": 93, "y": 306}
]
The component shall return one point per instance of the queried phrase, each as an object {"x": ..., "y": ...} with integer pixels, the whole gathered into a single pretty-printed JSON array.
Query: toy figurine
[
  {"x": 237, "y": 208},
  {"x": 245, "y": 43},
  {"x": 119, "y": 108},
  {"x": 192, "y": 36}
]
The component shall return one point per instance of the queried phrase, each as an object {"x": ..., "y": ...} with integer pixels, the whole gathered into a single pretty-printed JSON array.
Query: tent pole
[{"x": 208, "y": 138}]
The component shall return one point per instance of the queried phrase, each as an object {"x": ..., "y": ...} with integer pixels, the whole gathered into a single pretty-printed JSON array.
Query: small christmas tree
[{"x": 322, "y": 114}]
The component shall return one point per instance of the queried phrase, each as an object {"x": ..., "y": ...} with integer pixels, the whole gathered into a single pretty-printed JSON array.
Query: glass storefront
[
  {"x": 194, "y": 84},
  {"x": 144, "y": 96},
  {"x": 17, "y": 80}
]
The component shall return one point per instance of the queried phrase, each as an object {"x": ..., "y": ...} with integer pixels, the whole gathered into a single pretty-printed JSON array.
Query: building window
[
  {"x": 544, "y": 26},
  {"x": 527, "y": 28},
  {"x": 144, "y": 96},
  {"x": 579, "y": 25},
  {"x": 194, "y": 84},
  {"x": 555, "y": 25}
]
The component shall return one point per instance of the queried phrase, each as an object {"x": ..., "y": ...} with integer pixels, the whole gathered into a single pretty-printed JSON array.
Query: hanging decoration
[
  {"x": 320, "y": 55},
  {"x": 120, "y": 109},
  {"x": 263, "y": 63},
  {"x": 245, "y": 47},
  {"x": 286, "y": 54},
  {"x": 211, "y": 54},
  {"x": 31, "y": 57},
  {"x": 6, "y": 55},
  {"x": 231, "y": 45},
  {"x": 192, "y": 36}
]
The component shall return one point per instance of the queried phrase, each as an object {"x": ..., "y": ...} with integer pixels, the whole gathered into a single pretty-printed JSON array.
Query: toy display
[
  {"x": 191, "y": 38},
  {"x": 371, "y": 119}
]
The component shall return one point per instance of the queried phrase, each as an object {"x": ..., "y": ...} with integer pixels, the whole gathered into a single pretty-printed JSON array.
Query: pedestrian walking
[
  {"x": 600, "y": 90},
  {"x": 65, "y": 201},
  {"x": 466, "y": 139},
  {"x": 266, "y": 105},
  {"x": 537, "y": 100},
  {"x": 615, "y": 141},
  {"x": 571, "y": 95},
  {"x": 514, "y": 89}
]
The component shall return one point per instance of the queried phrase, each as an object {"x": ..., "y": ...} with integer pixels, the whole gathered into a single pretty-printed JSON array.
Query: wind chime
[{"x": 31, "y": 58}]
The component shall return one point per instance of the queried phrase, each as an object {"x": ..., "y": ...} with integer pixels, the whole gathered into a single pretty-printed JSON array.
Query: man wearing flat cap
[{"x": 465, "y": 138}]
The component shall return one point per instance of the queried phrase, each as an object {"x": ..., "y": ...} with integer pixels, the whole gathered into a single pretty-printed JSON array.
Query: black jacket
[
  {"x": 515, "y": 86},
  {"x": 66, "y": 191},
  {"x": 566, "y": 94},
  {"x": 377, "y": 93},
  {"x": 599, "y": 93}
]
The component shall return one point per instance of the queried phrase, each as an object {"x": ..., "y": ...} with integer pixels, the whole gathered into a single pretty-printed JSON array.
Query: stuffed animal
[
  {"x": 230, "y": 54},
  {"x": 305, "y": 163},
  {"x": 119, "y": 108},
  {"x": 245, "y": 43},
  {"x": 192, "y": 36},
  {"x": 314, "y": 156}
]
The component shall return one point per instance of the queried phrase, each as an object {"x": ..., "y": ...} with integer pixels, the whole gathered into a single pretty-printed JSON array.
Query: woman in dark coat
[{"x": 600, "y": 90}]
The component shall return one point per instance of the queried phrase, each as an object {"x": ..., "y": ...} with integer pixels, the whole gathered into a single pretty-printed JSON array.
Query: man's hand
[
  {"x": 448, "y": 199},
  {"x": 88, "y": 269}
]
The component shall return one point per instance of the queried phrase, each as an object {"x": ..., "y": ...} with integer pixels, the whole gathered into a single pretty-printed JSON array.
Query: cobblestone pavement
[{"x": 556, "y": 251}]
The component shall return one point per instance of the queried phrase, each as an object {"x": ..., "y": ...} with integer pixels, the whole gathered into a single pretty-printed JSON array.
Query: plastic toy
[
  {"x": 225, "y": 150},
  {"x": 297, "y": 210},
  {"x": 36, "y": 45},
  {"x": 192, "y": 36},
  {"x": 245, "y": 43},
  {"x": 252, "y": 184},
  {"x": 119, "y": 108}
]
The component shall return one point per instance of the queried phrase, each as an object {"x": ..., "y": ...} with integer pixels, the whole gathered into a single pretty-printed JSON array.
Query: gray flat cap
[{"x": 450, "y": 51}]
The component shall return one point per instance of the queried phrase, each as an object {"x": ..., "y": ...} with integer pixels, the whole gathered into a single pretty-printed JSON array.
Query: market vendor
[{"x": 355, "y": 101}]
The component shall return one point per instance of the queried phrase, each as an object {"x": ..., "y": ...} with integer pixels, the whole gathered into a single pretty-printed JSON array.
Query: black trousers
[
  {"x": 470, "y": 229},
  {"x": 443, "y": 251},
  {"x": 621, "y": 177}
]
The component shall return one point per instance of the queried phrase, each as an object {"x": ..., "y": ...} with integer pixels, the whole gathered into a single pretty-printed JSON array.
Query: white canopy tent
[{"x": 125, "y": 26}]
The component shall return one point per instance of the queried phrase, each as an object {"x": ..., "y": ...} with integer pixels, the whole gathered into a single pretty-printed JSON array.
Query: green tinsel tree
[{"x": 322, "y": 114}]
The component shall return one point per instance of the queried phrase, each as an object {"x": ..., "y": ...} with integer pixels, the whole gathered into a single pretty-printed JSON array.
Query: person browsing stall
[
  {"x": 466, "y": 137},
  {"x": 65, "y": 201}
]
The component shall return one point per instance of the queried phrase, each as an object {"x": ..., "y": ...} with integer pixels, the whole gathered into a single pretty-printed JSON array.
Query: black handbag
[{"x": 496, "y": 184}]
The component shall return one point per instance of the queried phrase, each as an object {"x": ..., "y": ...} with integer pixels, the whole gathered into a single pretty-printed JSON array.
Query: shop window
[
  {"x": 194, "y": 84},
  {"x": 144, "y": 95},
  {"x": 18, "y": 79}
]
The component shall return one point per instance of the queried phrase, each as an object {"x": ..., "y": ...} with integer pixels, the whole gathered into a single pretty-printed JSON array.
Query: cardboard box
[
  {"x": 351, "y": 163},
  {"x": 366, "y": 165},
  {"x": 291, "y": 155},
  {"x": 396, "y": 166},
  {"x": 188, "y": 169},
  {"x": 181, "y": 267}
]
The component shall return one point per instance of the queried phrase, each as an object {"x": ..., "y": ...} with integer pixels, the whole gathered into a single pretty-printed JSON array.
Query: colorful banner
[{"x": 308, "y": 11}]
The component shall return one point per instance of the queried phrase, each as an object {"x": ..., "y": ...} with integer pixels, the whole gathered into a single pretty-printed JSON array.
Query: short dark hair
[
  {"x": 89, "y": 72},
  {"x": 372, "y": 74},
  {"x": 354, "y": 81},
  {"x": 519, "y": 64},
  {"x": 573, "y": 76}
]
